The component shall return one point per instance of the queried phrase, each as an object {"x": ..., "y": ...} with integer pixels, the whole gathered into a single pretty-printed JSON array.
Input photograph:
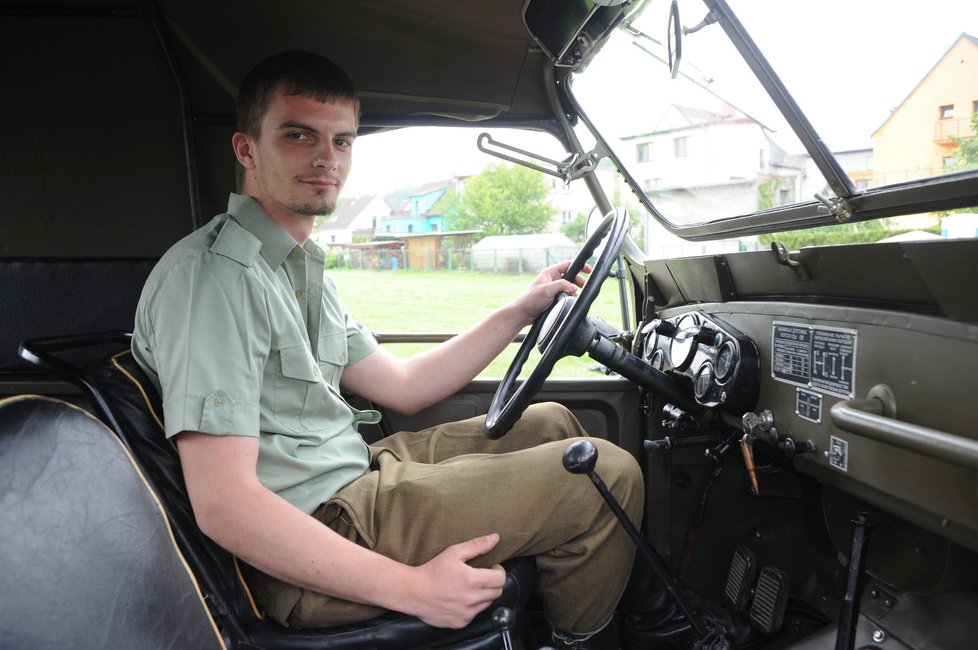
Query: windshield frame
[{"x": 849, "y": 204}]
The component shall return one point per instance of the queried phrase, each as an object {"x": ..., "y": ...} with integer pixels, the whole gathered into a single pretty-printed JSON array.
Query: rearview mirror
[{"x": 674, "y": 33}]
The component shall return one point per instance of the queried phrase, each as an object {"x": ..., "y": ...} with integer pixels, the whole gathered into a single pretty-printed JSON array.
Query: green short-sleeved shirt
[{"x": 244, "y": 335}]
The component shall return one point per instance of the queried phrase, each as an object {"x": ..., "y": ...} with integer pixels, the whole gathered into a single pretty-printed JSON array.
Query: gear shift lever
[
  {"x": 581, "y": 458},
  {"x": 503, "y": 620}
]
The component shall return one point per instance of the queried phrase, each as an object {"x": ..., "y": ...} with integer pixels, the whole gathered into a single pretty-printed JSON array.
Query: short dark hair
[{"x": 300, "y": 73}]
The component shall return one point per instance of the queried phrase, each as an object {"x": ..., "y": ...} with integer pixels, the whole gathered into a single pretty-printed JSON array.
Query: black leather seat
[
  {"x": 85, "y": 552},
  {"x": 125, "y": 400}
]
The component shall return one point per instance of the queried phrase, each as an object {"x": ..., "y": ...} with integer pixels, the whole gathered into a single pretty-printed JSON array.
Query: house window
[
  {"x": 410, "y": 227},
  {"x": 679, "y": 146},
  {"x": 946, "y": 112},
  {"x": 332, "y": 239},
  {"x": 434, "y": 227},
  {"x": 974, "y": 107},
  {"x": 949, "y": 162},
  {"x": 644, "y": 151}
]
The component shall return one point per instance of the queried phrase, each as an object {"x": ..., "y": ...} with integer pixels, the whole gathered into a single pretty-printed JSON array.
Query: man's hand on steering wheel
[
  {"x": 544, "y": 288},
  {"x": 557, "y": 319}
]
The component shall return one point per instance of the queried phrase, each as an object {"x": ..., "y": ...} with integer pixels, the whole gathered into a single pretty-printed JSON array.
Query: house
[
  {"x": 711, "y": 159},
  {"x": 353, "y": 220},
  {"x": 917, "y": 139},
  {"x": 572, "y": 199},
  {"x": 421, "y": 212}
]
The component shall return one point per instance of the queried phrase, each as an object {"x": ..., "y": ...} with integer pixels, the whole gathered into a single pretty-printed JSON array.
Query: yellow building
[{"x": 916, "y": 140}]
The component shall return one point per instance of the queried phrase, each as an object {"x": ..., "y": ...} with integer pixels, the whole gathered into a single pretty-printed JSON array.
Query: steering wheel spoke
[{"x": 555, "y": 328}]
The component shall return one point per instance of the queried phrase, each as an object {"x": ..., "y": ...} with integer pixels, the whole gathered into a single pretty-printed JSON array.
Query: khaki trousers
[{"x": 430, "y": 489}]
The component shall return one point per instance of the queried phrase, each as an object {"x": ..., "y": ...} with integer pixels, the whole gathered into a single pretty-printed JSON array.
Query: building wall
[
  {"x": 914, "y": 142},
  {"x": 365, "y": 223}
]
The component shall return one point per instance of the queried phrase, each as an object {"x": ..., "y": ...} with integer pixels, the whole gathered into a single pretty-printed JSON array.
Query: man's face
[{"x": 303, "y": 155}]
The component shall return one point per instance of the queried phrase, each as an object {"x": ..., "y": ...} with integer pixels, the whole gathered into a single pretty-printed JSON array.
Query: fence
[{"x": 516, "y": 261}]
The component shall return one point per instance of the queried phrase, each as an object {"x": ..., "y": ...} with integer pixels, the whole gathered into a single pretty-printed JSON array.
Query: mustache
[{"x": 319, "y": 177}]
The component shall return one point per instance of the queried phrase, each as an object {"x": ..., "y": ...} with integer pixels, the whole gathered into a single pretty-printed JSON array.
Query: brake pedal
[
  {"x": 770, "y": 600},
  {"x": 740, "y": 578}
]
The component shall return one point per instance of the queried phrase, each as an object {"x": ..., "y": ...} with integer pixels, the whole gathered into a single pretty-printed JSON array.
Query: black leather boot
[
  {"x": 606, "y": 639},
  {"x": 651, "y": 620}
]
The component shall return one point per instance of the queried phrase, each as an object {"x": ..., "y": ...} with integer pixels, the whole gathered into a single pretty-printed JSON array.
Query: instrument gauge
[
  {"x": 683, "y": 345},
  {"x": 658, "y": 359},
  {"x": 726, "y": 360},
  {"x": 650, "y": 342},
  {"x": 703, "y": 381}
]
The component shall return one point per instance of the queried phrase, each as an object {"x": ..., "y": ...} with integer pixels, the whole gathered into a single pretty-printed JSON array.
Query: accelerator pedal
[
  {"x": 740, "y": 578},
  {"x": 770, "y": 600}
]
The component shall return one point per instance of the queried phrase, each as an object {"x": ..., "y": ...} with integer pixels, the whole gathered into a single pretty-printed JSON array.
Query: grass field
[{"x": 447, "y": 302}]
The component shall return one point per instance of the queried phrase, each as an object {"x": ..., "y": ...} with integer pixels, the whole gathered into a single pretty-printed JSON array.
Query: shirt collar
[{"x": 276, "y": 243}]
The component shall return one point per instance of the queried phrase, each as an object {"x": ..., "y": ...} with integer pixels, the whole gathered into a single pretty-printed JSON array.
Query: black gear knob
[
  {"x": 503, "y": 621},
  {"x": 580, "y": 457}
]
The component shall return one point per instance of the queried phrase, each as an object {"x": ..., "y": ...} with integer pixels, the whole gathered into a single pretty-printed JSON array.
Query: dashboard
[{"x": 878, "y": 404}]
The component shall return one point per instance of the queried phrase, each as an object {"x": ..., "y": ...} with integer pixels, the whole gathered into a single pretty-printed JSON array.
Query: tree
[
  {"x": 502, "y": 200},
  {"x": 966, "y": 153},
  {"x": 574, "y": 229},
  {"x": 857, "y": 232}
]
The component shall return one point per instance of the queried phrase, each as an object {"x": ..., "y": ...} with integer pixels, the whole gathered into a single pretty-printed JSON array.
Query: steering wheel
[{"x": 554, "y": 329}]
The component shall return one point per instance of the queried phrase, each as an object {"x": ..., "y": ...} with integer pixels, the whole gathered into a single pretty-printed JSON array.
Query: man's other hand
[{"x": 450, "y": 592}]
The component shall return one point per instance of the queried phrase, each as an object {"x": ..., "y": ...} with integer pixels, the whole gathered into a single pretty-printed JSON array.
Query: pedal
[
  {"x": 770, "y": 600},
  {"x": 740, "y": 578}
]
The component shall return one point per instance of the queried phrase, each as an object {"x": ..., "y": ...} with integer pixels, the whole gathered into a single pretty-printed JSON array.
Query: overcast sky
[{"x": 847, "y": 63}]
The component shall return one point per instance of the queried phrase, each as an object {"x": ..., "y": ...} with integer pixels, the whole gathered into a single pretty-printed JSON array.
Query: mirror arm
[{"x": 571, "y": 169}]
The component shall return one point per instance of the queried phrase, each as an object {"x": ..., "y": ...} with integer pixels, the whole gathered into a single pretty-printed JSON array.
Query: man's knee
[
  {"x": 620, "y": 472},
  {"x": 552, "y": 420}
]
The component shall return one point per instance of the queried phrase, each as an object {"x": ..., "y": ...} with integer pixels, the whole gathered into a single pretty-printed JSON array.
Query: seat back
[
  {"x": 125, "y": 398},
  {"x": 86, "y": 553},
  {"x": 136, "y": 410}
]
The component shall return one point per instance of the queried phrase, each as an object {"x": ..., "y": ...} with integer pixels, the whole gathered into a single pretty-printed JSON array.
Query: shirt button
[
  {"x": 218, "y": 401},
  {"x": 298, "y": 293},
  {"x": 316, "y": 371}
]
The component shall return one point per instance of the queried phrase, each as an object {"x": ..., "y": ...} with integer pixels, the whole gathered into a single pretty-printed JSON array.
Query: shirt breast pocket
[
  {"x": 332, "y": 357},
  {"x": 298, "y": 384}
]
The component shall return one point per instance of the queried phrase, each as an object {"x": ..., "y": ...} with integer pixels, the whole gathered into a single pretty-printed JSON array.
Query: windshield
[{"x": 891, "y": 91}]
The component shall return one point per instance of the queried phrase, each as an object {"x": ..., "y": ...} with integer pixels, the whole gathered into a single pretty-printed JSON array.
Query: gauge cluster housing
[{"x": 720, "y": 365}]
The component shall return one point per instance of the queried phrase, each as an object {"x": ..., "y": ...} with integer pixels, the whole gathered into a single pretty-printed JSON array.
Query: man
[{"x": 249, "y": 345}]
